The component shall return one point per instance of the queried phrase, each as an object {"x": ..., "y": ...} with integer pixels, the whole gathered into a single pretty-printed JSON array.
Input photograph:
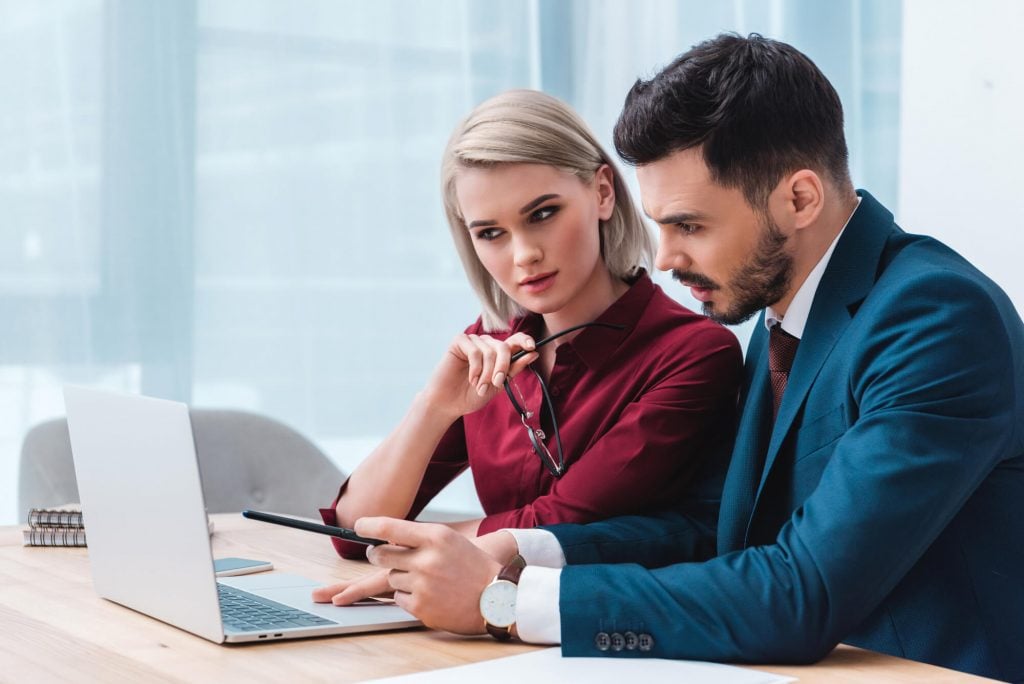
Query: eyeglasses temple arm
[{"x": 520, "y": 354}]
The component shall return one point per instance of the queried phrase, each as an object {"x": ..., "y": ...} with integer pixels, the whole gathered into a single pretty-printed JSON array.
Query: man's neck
[{"x": 811, "y": 243}]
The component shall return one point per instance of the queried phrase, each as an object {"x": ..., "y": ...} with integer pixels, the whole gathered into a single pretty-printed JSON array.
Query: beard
[{"x": 762, "y": 280}]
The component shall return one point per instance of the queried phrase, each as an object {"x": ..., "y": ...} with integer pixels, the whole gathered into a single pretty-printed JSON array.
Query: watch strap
[
  {"x": 513, "y": 569},
  {"x": 511, "y": 572}
]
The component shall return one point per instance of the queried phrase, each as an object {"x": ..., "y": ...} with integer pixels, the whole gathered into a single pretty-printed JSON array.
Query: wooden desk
[{"x": 53, "y": 627}]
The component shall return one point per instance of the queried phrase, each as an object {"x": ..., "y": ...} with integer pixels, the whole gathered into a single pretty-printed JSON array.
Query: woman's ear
[{"x": 604, "y": 185}]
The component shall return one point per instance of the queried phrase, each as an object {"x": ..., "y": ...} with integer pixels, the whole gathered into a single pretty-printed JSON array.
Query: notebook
[
  {"x": 60, "y": 526},
  {"x": 136, "y": 454}
]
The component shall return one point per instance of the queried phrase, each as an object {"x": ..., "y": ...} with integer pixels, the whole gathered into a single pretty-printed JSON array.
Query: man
[{"x": 876, "y": 490}]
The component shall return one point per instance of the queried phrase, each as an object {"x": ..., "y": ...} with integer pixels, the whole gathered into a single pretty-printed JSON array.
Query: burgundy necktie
[{"x": 781, "y": 352}]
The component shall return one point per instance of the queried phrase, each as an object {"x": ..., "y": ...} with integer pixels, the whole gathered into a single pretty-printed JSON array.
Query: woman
[{"x": 613, "y": 418}]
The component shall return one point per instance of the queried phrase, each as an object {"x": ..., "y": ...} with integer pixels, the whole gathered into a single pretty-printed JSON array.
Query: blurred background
[{"x": 236, "y": 203}]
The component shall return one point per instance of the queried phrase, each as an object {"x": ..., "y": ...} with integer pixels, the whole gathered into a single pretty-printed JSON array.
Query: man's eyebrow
[{"x": 681, "y": 217}]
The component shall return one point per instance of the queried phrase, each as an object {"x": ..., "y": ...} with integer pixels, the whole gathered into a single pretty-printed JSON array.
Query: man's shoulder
[{"x": 916, "y": 267}]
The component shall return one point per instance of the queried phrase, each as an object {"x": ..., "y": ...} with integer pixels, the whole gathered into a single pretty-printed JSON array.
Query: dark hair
[{"x": 759, "y": 109}]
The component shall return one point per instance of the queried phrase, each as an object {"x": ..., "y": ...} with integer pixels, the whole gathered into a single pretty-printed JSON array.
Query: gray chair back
[{"x": 246, "y": 460}]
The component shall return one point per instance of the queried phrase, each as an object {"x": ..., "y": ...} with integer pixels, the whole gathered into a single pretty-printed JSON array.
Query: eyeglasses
[{"x": 537, "y": 435}]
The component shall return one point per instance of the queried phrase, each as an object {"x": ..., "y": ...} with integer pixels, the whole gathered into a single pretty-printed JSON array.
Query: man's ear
[
  {"x": 604, "y": 184},
  {"x": 803, "y": 198}
]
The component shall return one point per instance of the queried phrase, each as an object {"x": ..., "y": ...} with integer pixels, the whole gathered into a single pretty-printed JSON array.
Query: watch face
[{"x": 498, "y": 603}]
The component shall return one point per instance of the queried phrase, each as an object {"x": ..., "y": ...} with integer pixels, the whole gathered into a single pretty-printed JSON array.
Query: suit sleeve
[
  {"x": 935, "y": 417},
  {"x": 651, "y": 455}
]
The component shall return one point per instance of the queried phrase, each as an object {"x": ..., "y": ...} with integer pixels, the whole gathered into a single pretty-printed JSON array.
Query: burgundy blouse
[{"x": 638, "y": 410}]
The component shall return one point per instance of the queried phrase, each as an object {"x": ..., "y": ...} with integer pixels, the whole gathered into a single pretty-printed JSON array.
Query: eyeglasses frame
[{"x": 556, "y": 468}]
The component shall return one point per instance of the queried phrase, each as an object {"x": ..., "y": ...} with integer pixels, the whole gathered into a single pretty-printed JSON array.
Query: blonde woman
[{"x": 611, "y": 418}]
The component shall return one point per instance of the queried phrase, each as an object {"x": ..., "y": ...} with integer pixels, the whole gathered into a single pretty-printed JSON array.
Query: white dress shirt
[{"x": 538, "y": 617}]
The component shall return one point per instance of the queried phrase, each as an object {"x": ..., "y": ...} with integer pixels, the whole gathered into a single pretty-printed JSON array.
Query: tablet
[{"x": 340, "y": 532}]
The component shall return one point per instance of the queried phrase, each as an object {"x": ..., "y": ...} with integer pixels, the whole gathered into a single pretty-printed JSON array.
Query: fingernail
[
  {"x": 499, "y": 378},
  {"x": 481, "y": 390}
]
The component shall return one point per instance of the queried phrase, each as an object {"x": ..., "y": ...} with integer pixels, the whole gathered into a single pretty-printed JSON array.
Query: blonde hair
[{"x": 530, "y": 127}]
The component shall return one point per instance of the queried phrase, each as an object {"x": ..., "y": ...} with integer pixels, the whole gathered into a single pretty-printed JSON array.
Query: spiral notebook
[{"x": 59, "y": 526}]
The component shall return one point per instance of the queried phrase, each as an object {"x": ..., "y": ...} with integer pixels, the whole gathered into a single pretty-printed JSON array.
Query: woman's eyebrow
[
  {"x": 480, "y": 223},
  {"x": 532, "y": 204}
]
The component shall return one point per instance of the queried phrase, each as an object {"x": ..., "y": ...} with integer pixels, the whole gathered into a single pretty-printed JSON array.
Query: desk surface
[{"x": 101, "y": 641}]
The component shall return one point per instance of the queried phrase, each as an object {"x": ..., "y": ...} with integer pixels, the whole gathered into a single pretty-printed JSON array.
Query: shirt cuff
[
  {"x": 538, "y": 617},
  {"x": 539, "y": 547}
]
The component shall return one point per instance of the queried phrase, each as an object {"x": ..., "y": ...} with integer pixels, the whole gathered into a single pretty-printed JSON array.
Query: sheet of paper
[{"x": 548, "y": 665}]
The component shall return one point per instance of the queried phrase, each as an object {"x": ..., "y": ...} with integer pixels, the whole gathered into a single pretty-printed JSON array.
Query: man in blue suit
[{"x": 876, "y": 490}]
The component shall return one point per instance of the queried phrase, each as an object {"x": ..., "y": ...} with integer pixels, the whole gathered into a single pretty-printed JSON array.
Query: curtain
[{"x": 237, "y": 203}]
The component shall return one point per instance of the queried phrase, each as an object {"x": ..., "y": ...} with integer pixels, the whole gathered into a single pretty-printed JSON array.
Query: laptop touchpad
[{"x": 294, "y": 591}]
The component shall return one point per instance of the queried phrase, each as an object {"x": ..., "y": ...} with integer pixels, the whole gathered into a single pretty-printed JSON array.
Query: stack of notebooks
[{"x": 61, "y": 526}]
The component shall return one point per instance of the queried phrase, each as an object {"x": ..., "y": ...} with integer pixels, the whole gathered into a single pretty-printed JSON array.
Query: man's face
[{"x": 733, "y": 258}]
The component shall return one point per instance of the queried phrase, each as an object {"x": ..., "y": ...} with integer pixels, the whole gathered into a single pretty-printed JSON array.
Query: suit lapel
[
  {"x": 751, "y": 442},
  {"x": 847, "y": 280}
]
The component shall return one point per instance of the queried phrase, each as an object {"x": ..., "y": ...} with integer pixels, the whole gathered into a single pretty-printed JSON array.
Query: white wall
[{"x": 961, "y": 132}]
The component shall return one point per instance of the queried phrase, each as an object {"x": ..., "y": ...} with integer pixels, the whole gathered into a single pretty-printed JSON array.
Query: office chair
[{"x": 246, "y": 460}]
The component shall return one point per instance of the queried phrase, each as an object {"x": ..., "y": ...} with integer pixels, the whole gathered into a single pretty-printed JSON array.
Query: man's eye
[{"x": 687, "y": 228}]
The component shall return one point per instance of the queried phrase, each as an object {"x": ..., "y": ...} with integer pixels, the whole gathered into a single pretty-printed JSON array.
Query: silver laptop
[{"x": 149, "y": 544}]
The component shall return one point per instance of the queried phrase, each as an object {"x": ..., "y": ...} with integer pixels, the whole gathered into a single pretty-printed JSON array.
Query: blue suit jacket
[{"x": 885, "y": 508}]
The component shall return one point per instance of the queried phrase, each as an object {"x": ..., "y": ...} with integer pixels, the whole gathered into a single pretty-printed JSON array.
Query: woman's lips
[{"x": 537, "y": 285}]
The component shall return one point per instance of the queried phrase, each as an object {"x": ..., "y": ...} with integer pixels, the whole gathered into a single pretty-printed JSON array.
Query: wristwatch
[{"x": 498, "y": 600}]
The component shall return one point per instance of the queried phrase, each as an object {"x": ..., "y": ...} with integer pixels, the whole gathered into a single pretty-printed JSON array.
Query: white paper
[{"x": 548, "y": 665}]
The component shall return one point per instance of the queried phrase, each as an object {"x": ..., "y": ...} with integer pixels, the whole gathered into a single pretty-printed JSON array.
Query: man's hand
[
  {"x": 437, "y": 574},
  {"x": 500, "y": 545},
  {"x": 346, "y": 593}
]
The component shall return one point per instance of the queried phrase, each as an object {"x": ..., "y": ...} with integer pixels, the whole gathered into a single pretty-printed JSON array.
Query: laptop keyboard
[{"x": 245, "y": 612}]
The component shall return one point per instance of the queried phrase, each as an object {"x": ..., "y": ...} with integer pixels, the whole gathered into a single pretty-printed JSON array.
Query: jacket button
[
  {"x": 602, "y": 641},
  {"x": 618, "y": 641},
  {"x": 631, "y": 640},
  {"x": 645, "y": 641}
]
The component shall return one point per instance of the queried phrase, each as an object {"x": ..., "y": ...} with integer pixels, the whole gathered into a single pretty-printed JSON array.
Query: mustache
[{"x": 694, "y": 279}]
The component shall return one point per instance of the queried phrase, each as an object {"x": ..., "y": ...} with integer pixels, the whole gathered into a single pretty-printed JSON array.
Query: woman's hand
[{"x": 473, "y": 369}]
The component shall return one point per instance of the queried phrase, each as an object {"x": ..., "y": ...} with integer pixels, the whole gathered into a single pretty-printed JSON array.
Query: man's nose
[{"x": 670, "y": 255}]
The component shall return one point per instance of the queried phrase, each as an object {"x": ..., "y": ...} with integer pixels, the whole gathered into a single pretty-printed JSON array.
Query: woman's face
[{"x": 535, "y": 229}]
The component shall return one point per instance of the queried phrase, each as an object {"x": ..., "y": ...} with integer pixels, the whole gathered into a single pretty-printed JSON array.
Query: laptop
[{"x": 149, "y": 544}]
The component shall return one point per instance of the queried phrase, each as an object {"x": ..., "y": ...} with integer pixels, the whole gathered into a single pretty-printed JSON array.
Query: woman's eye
[
  {"x": 489, "y": 234},
  {"x": 542, "y": 214}
]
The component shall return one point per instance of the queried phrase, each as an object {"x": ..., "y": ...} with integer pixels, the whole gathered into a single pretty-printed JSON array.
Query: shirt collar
[
  {"x": 799, "y": 310},
  {"x": 594, "y": 346}
]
